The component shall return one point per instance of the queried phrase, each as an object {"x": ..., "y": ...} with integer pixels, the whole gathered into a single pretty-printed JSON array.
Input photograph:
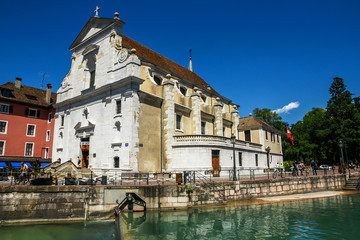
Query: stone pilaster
[
  {"x": 218, "y": 124},
  {"x": 196, "y": 112},
  {"x": 168, "y": 120},
  {"x": 235, "y": 119}
]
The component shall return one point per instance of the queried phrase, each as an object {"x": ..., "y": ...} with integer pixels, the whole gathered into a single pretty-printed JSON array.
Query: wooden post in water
[{"x": 119, "y": 229}]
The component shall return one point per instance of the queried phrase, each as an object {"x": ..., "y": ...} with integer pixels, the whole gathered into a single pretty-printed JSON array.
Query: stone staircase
[{"x": 353, "y": 183}]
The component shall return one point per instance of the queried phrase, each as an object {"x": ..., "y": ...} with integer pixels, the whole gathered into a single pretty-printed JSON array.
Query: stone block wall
[{"x": 58, "y": 203}]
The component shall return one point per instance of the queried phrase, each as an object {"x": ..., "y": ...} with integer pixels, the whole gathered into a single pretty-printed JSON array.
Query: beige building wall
[
  {"x": 275, "y": 146},
  {"x": 149, "y": 155}
]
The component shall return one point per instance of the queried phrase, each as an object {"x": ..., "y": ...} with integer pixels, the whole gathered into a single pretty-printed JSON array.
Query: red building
[{"x": 26, "y": 123}]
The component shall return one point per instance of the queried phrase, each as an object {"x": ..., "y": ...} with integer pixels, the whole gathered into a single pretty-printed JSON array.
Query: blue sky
[{"x": 258, "y": 53}]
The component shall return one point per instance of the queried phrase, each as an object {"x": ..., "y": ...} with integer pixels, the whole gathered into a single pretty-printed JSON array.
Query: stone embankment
[{"x": 64, "y": 203}]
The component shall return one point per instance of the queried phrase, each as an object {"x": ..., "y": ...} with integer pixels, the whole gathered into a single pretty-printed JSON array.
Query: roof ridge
[{"x": 196, "y": 78}]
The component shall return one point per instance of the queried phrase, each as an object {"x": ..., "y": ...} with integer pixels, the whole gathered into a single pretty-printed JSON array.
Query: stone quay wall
[{"x": 66, "y": 203}]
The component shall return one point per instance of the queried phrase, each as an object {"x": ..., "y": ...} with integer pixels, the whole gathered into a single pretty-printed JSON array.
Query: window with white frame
[
  {"x": 3, "y": 127},
  {"x": 49, "y": 117},
  {"x": 5, "y": 108},
  {"x": 266, "y": 135},
  {"x": 46, "y": 153},
  {"x": 30, "y": 112},
  {"x": 178, "y": 122},
  {"x": 48, "y": 135},
  {"x": 256, "y": 160},
  {"x": 29, "y": 149},
  {"x": 2, "y": 148},
  {"x": 30, "y": 131},
  {"x": 240, "y": 159}
]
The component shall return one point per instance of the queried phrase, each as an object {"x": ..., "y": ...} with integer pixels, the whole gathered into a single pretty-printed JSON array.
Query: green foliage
[
  {"x": 343, "y": 121},
  {"x": 317, "y": 136},
  {"x": 189, "y": 189},
  {"x": 268, "y": 116}
]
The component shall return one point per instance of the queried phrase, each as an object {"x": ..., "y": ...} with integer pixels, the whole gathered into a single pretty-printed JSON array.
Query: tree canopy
[{"x": 317, "y": 136}]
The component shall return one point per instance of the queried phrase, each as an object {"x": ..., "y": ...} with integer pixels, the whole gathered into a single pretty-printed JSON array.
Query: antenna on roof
[
  {"x": 42, "y": 81},
  {"x": 190, "y": 63}
]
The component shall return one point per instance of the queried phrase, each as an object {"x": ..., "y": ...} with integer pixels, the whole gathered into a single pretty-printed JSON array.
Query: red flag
[{"x": 290, "y": 135}]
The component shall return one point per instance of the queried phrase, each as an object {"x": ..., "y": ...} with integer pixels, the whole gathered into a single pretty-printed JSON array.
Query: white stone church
[{"x": 124, "y": 107}]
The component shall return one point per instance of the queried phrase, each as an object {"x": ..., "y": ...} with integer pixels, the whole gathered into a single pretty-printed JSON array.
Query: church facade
[{"x": 124, "y": 107}]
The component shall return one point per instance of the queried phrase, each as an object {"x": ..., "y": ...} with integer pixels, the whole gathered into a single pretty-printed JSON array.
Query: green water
[{"x": 325, "y": 218}]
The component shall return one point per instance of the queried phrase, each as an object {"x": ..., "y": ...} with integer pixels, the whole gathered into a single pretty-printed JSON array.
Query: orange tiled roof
[
  {"x": 159, "y": 60},
  {"x": 249, "y": 122},
  {"x": 27, "y": 95}
]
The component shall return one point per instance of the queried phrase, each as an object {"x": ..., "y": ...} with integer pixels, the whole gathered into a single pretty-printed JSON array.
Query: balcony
[{"x": 211, "y": 140}]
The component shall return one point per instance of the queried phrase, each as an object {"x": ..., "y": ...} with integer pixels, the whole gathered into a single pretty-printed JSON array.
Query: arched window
[
  {"x": 157, "y": 80},
  {"x": 116, "y": 162},
  {"x": 183, "y": 90},
  {"x": 203, "y": 97}
]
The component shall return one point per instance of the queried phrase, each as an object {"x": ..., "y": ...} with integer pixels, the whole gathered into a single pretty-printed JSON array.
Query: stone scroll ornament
[{"x": 123, "y": 54}]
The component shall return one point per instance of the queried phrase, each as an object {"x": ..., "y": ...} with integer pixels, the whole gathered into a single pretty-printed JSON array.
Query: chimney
[
  {"x": 18, "y": 82},
  {"x": 48, "y": 93}
]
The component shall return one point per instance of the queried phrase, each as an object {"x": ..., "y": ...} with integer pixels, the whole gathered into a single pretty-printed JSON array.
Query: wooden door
[
  {"x": 216, "y": 163},
  {"x": 85, "y": 156}
]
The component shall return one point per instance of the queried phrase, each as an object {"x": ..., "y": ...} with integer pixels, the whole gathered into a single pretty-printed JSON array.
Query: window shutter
[
  {"x": 10, "y": 109},
  {"x": 38, "y": 113},
  {"x": 26, "y": 111}
]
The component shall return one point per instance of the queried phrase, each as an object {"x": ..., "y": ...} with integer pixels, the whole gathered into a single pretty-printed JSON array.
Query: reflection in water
[{"x": 326, "y": 218}]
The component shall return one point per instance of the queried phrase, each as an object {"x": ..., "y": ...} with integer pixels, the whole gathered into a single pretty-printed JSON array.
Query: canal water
[{"x": 324, "y": 218}]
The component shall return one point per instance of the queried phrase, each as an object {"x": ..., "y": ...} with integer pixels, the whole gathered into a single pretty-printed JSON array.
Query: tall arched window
[{"x": 90, "y": 64}]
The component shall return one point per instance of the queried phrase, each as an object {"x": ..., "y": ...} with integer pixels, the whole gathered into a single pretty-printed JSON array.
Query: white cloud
[{"x": 287, "y": 108}]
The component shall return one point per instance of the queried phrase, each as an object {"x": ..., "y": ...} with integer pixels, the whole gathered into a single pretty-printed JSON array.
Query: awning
[
  {"x": 44, "y": 164},
  {"x": 2, "y": 165},
  {"x": 18, "y": 164}
]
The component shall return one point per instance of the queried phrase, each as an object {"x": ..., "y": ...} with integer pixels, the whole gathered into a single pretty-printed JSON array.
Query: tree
[
  {"x": 267, "y": 116},
  {"x": 343, "y": 119},
  {"x": 311, "y": 137}
]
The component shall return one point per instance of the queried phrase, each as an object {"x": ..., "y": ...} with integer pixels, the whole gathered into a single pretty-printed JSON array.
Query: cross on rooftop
[{"x": 97, "y": 11}]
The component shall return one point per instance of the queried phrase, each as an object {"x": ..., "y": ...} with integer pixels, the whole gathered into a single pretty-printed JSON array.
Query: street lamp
[
  {"x": 233, "y": 141},
  {"x": 342, "y": 155}
]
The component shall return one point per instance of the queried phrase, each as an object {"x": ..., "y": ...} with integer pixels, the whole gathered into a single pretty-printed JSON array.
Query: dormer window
[
  {"x": 157, "y": 80},
  {"x": 31, "y": 97},
  {"x": 6, "y": 92}
]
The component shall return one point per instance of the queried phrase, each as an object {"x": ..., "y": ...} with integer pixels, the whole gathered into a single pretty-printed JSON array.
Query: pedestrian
[
  {"x": 24, "y": 170},
  {"x": 295, "y": 169},
  {"x": 79, "y": 161},
  {"x": 301, "y": 169},
  {"x": 314, "y": 167}
]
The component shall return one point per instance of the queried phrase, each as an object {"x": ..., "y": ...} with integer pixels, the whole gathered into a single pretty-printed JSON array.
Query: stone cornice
[{"x": 97, "y": 91}]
